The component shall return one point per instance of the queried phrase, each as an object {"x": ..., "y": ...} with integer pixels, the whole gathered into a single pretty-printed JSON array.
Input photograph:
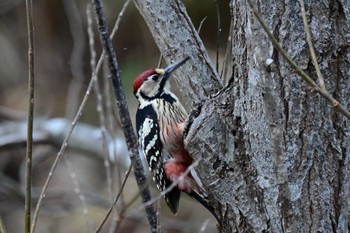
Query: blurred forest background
[{"x": 58, "y": 94}]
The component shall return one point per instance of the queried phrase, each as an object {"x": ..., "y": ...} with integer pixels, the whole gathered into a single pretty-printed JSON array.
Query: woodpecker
[{"x": 160, "y": 122}]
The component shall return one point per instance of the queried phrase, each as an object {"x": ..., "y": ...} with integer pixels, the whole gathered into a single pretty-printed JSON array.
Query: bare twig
[
  {"x": 201, "y": 24},
  {"x": 98, "y": 229},
  {"x": 218, "y": 35},
  {"x": 311, "y": 47},
  {"x": 160, "y": 60},
  {"x": 226, "y": 68},
  {"x": 335, "y": 104},
  {"x": 28, "y": 185},
  {"x": 124, "y": 113}
]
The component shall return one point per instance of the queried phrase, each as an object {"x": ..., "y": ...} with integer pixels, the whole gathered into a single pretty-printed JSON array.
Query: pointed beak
[{"x": 172, "y": 67}]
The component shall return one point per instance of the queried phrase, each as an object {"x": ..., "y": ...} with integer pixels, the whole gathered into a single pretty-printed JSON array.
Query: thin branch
[
  {"x": 339, "y": 107},
  {"x": 201, "y": 24},
  {"x": 218, "y": 34},
  {"x": 28, "y": 185},
  {"x": 124, "y": 114},
  {"x": 98, "y": 229},
  {"x": 226, "y": 68},
  {"x": 311, "y": 47},
  {"x": 160, "y": 60}
]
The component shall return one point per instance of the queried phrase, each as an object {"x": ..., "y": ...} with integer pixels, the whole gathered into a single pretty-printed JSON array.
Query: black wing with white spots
[{"x": 149, "y": 138}]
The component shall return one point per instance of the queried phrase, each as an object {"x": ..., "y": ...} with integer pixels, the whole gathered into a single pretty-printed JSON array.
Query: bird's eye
[{"x": 155, "y": 77}]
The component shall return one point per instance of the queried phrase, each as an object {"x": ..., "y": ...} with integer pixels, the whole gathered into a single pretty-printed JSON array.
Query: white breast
[{"x": 171, "y": 118}]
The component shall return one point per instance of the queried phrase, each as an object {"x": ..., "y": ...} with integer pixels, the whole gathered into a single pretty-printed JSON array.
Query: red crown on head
[{"x": 141, "y": 78}]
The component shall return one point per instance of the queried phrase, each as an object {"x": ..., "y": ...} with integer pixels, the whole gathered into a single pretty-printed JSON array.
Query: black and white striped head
[{"x": 152, "y": 83}]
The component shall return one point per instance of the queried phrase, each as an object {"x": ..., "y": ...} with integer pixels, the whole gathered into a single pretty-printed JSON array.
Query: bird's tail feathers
[{"x": 172, "y": 199}]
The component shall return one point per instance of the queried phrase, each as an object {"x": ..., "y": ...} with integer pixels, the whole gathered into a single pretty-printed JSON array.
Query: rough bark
[
  {"x": 287, "y": 170},
  {"x": 177, "y": 38},
  {"x": 278, "y": 154}
]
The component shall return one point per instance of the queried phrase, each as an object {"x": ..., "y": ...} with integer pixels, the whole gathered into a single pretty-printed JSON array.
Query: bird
[{"x": 161, "y": 120}]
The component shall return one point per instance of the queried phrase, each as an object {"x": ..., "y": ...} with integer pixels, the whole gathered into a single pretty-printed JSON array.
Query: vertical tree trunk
[
  {"x": 275, "y": 157},
  {"x": 279, "y": 154}
]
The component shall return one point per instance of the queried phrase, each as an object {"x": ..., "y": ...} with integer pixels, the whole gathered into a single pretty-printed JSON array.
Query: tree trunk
[{"x": 279, "y": 154}]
